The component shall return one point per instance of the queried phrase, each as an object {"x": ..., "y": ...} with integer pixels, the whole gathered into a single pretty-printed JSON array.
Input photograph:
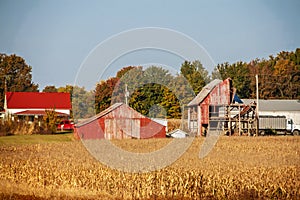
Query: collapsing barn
[
  {"x": 217, "y": 108},
  {"x": 117, "y": 122}
]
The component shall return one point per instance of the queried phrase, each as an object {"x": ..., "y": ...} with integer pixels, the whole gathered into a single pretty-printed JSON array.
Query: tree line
[
  {"x": 279, "y": 77},
  {"x": 155, "y": 92}
]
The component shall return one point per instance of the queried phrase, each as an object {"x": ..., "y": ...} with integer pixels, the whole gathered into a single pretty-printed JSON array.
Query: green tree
[
  {"x": 239, "y": 73},
  {"x": 148, "y": 91},
  {"x": 145, "y": 97},
  {"x": 15, "y": 76},
  {"x": 196, "y": 74},
  {"x": 151, "y": 91}
]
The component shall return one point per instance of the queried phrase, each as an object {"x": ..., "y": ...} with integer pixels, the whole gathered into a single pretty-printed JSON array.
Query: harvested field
[{"x": 237, "y": 168}]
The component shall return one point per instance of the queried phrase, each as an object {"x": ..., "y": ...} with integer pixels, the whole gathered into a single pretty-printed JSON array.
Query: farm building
[
  {"x": 33, "y": 105},
  {"x": 278, "y": 107},
  {"x": 217, "y": 107},
  {"x": 117, "y": 122},
  {"x": 177, "y": 134}
]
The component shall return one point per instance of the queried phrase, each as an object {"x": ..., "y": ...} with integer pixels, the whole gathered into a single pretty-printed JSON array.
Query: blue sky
[{"x": 56, "y": 36}]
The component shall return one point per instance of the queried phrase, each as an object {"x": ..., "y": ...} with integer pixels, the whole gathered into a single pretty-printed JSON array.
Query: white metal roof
[
  {"x": 177, "y": 133},
  {"x": 276, "y": 104}
]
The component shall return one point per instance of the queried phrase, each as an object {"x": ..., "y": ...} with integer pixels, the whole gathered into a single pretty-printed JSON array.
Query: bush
[
  {"x": 9, "y": 126},
  {"x": 174, "y": 124},
  {"x": 15, "y": 126}
]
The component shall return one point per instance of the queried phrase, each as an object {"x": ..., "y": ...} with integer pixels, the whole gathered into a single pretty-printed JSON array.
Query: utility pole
[
  {"x": 6, "y": 78},
  {"x": 5, "y": 90},
  {"x": 5, "y": 85},
  {"x": 257, "y": 105}
]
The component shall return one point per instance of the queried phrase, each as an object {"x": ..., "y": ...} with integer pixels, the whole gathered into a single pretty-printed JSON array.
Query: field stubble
[{"x": 237, "y": 168}]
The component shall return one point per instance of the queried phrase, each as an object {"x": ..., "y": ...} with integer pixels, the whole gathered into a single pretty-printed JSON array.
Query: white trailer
[{"x": 269, "y": 124}]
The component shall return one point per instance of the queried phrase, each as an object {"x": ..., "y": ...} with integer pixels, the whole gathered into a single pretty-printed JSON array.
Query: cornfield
[{"x": 237, "y": 168}]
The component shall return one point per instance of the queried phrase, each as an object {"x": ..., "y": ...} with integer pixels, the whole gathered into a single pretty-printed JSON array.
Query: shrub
[{"x": 50, "y": 121}]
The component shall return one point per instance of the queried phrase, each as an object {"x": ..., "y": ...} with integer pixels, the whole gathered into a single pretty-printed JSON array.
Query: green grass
[{"x": 35, "y": 139}]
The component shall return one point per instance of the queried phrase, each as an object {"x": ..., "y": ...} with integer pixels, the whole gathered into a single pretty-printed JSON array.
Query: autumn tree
[
  {"x": 130, "y": 78},
  {"x": 50, "y": 121},
  {"x": 264, "y": 69},
  {"x": 66, "y": 89},
  {"x": 150, "y": 91},
  {"x": 279, "y": 76},
  {"x": 15, "y": 76},
  {"x": 112, "y": 90},
  {"x": 123, "y": 71},
  {"x": 103, "y": 93},
  {"x": 50, "y": 88}
]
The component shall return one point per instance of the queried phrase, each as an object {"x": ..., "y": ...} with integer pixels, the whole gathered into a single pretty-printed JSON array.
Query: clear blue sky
[{"x": 55, "y": 36}]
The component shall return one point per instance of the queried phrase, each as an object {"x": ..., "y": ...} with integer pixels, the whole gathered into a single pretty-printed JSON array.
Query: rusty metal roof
[
  {"x": 104, "y": 112},
  {"x": 204, "y": 92}
]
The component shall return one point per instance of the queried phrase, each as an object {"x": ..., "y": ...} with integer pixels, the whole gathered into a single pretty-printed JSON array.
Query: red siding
[
  {"x": 121, "y": 122},
  {"x": 89, "y": 131},
  {"x": 221, "y": 94},
  {"x": 205, "y": 110},
  {"x": 151, "y": 129}
]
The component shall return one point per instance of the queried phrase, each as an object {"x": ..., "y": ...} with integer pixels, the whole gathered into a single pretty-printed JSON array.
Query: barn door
[
  {"x": 130, "y": 127},
  {"x": 122, "y": 128}
]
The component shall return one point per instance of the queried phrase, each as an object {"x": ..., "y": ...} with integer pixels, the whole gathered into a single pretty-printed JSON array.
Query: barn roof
[
  {"x": 204, "y": 92},
  {"x": 112, "y": 108},
  {"x": 38, "y": 100},
  {"x": 276, "y": 104},
  {"x": 177, "y": 133},
  {"x": 104, "y": 112}
]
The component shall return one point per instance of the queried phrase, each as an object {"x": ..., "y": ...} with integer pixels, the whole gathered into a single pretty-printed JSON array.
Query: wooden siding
[
  {"x": 220, "y": 95},
  {"x": 118, "y": 123}
]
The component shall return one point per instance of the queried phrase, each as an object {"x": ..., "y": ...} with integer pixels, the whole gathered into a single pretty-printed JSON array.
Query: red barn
[
  {"x": 117, "y": 122},
  {"x": 210, "y": 102}
]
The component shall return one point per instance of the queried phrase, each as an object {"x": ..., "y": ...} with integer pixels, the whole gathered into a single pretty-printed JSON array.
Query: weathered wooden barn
[
  {"x": 117, "y": 122},
  {"x": 208, "y": 104},
  {"x": 216, "y": 108}
]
